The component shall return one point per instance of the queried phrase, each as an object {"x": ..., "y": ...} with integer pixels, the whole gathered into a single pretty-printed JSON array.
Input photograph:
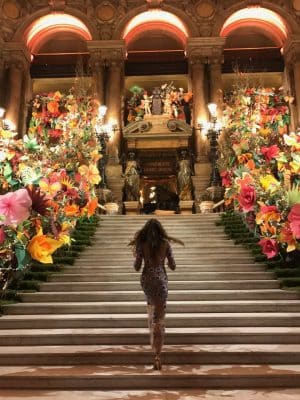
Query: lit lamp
[
  {"x": 212, "y": 130},
  {"x": 102, "y": 136}
]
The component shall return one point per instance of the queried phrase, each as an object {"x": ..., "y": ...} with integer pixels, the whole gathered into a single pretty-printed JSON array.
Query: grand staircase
[{"x": 228, "y": 324}]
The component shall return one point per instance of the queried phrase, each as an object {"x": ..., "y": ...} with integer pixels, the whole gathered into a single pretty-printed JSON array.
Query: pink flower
[
  {"x": 294, "y": 219},
  {"x": 247, "y": 197},
  {"x": 269, "y": 247},
  {"x": 270, "y": 152},
  {"x": 2, "y": 235},
  {"x": 15, "y": 206}
]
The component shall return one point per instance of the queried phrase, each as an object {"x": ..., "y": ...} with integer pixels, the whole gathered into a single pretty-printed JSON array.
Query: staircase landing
[{"x": 231, "y": 331}]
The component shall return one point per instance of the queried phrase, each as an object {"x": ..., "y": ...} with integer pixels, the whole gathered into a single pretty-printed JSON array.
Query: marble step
[
  {"x": 85, "y": 268},
  {"x": 242, "y": 319},
  {"x": 173, "y": 285},
  {"x": 183, "y": 295},
  {"x": 144, "y": 377},
  {"x": 138, "y": 307},
  {"x": 142, "y": 354},
  {"x": 148, "y": 394},
  {"x": 120, "y": 252},
  {"x": 128, "y": 261},
  {"x": 173, "y": 276},
  {"x": 128, "y": 336}
]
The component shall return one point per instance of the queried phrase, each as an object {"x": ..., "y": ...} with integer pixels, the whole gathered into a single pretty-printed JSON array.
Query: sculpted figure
[
  {"x": 184, "y": 179},
  {"x": 132, "y": 179}
]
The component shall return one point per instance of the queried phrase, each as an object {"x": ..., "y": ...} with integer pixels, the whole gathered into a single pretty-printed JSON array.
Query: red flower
[
  {"x": 226, "y": 178},
  {"x": 2, "y": 235},
  {"x": 247, "y": 197},
  {"x": 270, "y": 152},
  {"x": 55, "y": 133},
  {"x": 268, "y": 209},
  {"x": 294, "y": 219},
  {"x": 269, "y": 247}
]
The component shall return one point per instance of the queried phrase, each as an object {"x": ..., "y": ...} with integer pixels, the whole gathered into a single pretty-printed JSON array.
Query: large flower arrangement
[
  {"x": 260, "y": 167},
  {"x": 47, "y": 178}
]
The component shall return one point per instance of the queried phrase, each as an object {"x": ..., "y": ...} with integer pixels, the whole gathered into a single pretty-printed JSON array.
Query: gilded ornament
[
  {"x": 11, "y": 9},
  {"x": 205, "y": 9},
  {"x": 106, "y": 11},
  {"x": 296, "y": 5}
]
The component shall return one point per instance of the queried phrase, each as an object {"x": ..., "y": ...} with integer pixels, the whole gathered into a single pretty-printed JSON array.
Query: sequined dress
[{"x": 154, "y": 281}]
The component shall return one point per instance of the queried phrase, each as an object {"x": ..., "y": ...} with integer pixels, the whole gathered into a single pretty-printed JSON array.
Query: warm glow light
[
  {"x": 212, "y": 109},
  {"x": 260, "y": 17},
  {"x": 49, "y": 24},
  {"x": 155, "y": 19},
  {"x": 2, "y": 112},
  {"x": 102, "y": 111}
]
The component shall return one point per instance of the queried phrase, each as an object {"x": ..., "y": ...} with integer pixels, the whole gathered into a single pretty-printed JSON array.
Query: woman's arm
[
  {"x": 170, "y": 258},
  {"x": 138, "y": 258}
]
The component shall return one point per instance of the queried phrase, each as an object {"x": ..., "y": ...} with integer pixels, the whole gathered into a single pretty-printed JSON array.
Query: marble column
[
  {"x": 114, "y": 105},
  {"x": 17, "y": 63},
  {"x": 110, "y": 54},
  {"x": 2, "y": 76},
  {"x": 197, "y": 68},
  {"x": 216, "y": 85},
  {"x": 204, "y": 51},
  {"x": 13, "y": 102},
  {"x": 97, "y": 65},
  {"x": 291, "y": 52}
]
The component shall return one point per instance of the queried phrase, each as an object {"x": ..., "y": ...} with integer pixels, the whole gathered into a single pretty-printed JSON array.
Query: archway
[
  {"x": 254, "y": 38},
  {"x": 57, "y": 42}
]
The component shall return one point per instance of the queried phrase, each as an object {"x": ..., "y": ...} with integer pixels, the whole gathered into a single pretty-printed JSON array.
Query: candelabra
[
  {"x": 103, "y": 135},
  {"x": 212, "y": 128}
]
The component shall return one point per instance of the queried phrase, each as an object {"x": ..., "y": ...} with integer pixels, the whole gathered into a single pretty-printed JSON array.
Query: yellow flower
[
  {"x": 269, "y": 183},
  {"x": 41, "y": 248},
  {"x": 91, "y": 173}
]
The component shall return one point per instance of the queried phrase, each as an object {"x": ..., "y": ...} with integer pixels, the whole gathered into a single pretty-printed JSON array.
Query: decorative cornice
[
  {"x": 16, "y": 53},
  {"x": 107, "y": 52},
  {"x": 291, "y": 49},
  {"x": 205, "y": 49}
]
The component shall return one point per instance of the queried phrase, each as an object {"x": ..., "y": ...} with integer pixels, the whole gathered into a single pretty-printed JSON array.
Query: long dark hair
[{"x": 153, "y": 235}]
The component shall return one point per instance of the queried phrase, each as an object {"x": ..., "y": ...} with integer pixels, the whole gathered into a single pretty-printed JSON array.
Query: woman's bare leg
[{"x": 158, "y": 331}]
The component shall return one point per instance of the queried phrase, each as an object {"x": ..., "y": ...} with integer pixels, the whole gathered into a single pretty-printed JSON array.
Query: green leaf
[
  {"x": 22, "y": 256},
  {"x": 293, "y": 195}
]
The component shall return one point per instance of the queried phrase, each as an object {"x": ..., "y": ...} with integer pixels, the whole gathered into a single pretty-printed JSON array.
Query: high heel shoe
[{"x": 157, "y": 363}]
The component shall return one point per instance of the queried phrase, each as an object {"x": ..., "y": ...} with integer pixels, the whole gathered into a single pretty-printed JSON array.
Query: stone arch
[
  {"x": 189, "y": 26},
  {"x": 86, "y": 29},
  {"x": 288, "y": 20}
]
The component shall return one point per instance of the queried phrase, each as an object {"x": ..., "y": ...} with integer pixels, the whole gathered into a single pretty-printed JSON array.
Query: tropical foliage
[
  {"x": 260, "y": 166},
  {"x": 47, "y": 178}
]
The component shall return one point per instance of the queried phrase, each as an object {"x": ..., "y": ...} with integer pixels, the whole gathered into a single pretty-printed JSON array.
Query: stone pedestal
[
  {"x": 111, "y": 208},
  {"x": 131, "y": 207},
  {"x": 206, "y": 207},
  {"x": 186, "y": 206}
]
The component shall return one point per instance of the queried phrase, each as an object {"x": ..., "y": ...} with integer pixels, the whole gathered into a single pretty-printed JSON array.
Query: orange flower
[
  {"x": 243, "y": 158},
  {"x": 251, "y": 165},
  {"x": 92, "y": 206},
  {"x": 52, "y": 107},
  {"x": 71, "y": 210},
  {"x": 41, "y": 248}
]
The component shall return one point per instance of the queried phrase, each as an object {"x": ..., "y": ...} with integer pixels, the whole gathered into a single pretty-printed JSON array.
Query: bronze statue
[
  {"x": 184, "y": 178},
  {"x": 132, "y": 179}
]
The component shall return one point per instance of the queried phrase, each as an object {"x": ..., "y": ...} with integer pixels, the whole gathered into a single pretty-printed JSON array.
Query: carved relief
[
  {"x": 205, "y": 9},
  {"x": 11, "y": 9},
  {"x": 106, "y": 11}
]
